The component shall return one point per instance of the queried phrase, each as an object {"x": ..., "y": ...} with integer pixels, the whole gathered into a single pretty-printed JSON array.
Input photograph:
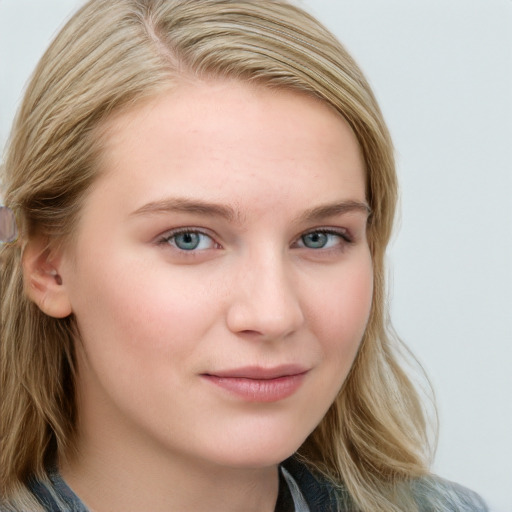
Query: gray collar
[{"x": 298, "y": 499}]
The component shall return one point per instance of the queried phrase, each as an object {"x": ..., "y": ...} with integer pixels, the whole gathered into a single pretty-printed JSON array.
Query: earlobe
[{"x": 43, "y": 282}]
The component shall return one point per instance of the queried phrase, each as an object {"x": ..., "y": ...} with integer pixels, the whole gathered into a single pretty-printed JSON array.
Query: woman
[{"x": 193, "y": 317}]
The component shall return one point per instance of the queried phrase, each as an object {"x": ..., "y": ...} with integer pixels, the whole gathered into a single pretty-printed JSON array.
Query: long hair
[{"x": 111, "y": 55}]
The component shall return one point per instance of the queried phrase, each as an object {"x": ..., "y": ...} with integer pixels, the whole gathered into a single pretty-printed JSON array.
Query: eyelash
[
  {"x": 169, "y": 236},
  {"x": 343, "y": 234},
  {"x": 345, "y": 239}
]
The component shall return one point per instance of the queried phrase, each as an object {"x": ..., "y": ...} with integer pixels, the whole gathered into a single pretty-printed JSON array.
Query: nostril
[{"x": 277, "y": 322}]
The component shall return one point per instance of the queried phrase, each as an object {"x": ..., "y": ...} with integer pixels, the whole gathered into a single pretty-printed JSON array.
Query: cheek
[
  {"x": 140, "y": 332},
  {"x": 137, "y": 313},
  {"x": 342, "y": 306},
  {"x": 338, "y": 314},
  {"x": 340, "y": 318}
]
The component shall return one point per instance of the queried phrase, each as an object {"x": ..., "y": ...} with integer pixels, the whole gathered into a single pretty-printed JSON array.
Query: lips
[{"x": 257, "y": 384}]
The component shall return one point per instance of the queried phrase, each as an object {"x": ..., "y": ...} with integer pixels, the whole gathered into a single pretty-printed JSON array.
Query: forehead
[
  {"x": 217, "y": 138},
  {"x": 209, "y": 106}
]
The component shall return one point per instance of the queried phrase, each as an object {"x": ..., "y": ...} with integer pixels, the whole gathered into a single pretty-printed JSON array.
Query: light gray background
[{"x": 442, "y": 71}]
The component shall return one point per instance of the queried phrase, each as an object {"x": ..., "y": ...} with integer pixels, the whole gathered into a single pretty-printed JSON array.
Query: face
[{"x": 221, "y": 277}]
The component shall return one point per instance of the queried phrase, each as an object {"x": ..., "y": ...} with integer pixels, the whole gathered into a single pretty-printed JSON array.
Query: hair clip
[{"x": 8, "y": 227}]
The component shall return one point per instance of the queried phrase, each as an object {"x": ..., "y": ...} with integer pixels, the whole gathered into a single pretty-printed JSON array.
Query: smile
[{"x": 254, "y": 384}]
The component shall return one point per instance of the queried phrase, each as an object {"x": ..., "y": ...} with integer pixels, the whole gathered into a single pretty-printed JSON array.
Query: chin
[
  {"x": 259, "y": 451},
  {"x": 255, "y": 460}
]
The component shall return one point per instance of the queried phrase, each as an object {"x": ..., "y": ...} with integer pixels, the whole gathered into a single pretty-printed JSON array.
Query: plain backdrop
[{"x": 442, "y": 71}]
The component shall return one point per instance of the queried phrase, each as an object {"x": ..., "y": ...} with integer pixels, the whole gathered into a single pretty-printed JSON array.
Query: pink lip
[{"x": 256, "y": 384}]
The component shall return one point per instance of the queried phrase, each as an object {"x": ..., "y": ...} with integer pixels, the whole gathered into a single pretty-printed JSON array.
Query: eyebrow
[
  {"x": 231, "y": 214},
  {"x": 333, "y": 209},
  {"x": 194, "y": 206}
]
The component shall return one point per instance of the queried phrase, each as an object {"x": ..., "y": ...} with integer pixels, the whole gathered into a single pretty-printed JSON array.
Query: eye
[
  {"x": 189, "y": 240},
  {"x": 323, "y": 239}
]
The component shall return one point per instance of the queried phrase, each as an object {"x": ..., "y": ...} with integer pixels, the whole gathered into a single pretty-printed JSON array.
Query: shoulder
[
  {"x": 49, "y": 494},
  {"x": 433, "y": 493},
  {"x": 55, "y": 495}
]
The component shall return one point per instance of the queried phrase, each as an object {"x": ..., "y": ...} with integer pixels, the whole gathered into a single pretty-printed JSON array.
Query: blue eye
[
  {"x": 322, "y": 240},
  {"x": 190, "y": 240},
  {"x": 316, "y": 240}
]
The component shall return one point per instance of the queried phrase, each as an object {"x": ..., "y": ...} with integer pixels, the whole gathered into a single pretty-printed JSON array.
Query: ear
[{"x": 43, "y": 282}]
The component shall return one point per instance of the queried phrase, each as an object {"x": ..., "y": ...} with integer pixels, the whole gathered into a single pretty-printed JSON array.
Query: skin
[{"x": 155, "y": 320}]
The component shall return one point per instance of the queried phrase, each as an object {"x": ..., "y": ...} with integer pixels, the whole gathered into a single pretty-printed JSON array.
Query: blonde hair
[{"x": 111, "y": 55}]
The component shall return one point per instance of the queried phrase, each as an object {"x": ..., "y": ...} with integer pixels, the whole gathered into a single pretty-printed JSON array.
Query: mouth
[{"x": 257, "y": 384}]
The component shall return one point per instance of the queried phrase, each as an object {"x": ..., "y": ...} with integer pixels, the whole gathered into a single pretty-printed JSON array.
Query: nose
[{"x": 263, "y": 299}]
